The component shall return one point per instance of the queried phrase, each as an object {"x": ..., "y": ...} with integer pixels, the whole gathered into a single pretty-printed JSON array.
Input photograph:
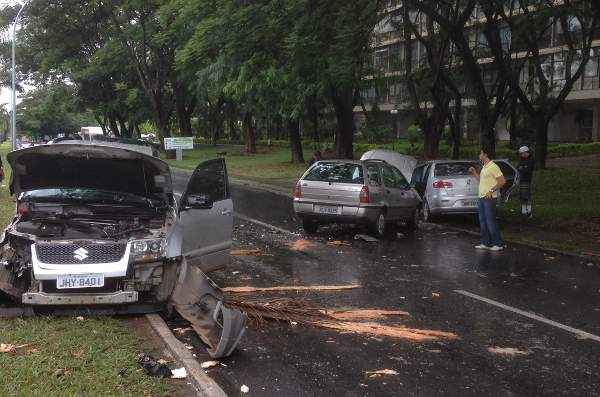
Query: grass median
[
  {"x": 65, "y": 356},
  {"x": 566, "y": 213}
]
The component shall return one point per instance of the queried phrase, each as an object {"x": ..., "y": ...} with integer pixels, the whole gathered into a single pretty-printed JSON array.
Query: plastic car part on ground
[{"x": 198, "y": 299}]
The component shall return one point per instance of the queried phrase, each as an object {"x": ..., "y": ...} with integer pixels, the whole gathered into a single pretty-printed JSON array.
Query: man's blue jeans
[{"x": 490, "y": 235}]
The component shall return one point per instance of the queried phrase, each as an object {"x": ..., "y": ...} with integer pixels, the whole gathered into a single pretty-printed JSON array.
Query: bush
[{"x": 414, "y": 134}]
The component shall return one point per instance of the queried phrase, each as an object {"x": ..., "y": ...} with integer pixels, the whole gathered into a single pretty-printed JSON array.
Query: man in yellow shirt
[{"x": 491, "y": 181}]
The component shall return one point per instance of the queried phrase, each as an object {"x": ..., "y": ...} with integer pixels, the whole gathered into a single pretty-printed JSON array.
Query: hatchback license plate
[
  {"x": 68, "y": 281},
  {"x": 470, "y": 203},
  {"x": 327, "y": 209}
]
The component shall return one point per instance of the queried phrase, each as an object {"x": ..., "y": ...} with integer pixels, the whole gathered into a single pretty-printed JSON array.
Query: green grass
[
  {"x": 70, "y": 357},
  {"x": 270, "y": 166}
]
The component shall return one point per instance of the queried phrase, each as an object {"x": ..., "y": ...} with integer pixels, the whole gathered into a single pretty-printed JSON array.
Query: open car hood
[
  {"x": 89, "y": 165},
  {"x": 405, "y": 164}
]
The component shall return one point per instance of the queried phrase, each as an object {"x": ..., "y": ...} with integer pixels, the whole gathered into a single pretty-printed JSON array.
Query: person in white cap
[{"x": 526, "y": 168}]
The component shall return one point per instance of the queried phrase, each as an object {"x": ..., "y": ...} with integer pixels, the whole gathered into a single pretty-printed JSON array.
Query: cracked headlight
[{"x": 147, "y": 250}]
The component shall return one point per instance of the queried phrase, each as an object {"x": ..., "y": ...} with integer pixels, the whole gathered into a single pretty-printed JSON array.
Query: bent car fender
[{"x": 200, "y": 301}]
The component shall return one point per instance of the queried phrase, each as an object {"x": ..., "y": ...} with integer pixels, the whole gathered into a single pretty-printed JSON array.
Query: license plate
[
  {"x": 470, "y": 203},
  {"x": 329, "y": 210},
  {"x": 68, "y": 281}
]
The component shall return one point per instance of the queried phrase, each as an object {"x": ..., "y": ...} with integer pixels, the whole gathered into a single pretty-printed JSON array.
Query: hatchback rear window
[
  {"x": 453, "y": 169},
  {"x": 336, "y": 172}
]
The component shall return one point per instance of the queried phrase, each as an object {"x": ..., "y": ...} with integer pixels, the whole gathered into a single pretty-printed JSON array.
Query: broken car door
[{"x": 206, "y": 216}]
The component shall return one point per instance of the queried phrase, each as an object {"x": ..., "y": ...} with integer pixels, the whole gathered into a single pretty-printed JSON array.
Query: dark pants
[{"x": 490, "y": 234}]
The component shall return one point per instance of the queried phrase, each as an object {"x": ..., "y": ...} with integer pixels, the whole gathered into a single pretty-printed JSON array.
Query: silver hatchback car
[
  {"x": 447, "y": 187},
  {"x": 370, "y": 192}
]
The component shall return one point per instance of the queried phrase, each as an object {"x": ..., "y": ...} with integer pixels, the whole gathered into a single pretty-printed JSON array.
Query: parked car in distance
[
  {"x": 371, "y": 192},
  {"x": 446, "y": 186}
]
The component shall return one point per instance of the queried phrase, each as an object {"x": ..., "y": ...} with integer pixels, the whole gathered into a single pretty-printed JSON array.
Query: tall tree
[
  {"x": 488, "y": 89},
  {"x": 541, "y": 82}
]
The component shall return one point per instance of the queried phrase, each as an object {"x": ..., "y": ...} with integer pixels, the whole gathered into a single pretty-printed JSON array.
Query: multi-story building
[{"x": 577, "y": 121}]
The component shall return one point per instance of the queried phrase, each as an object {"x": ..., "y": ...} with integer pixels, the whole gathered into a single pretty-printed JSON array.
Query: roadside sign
[{"x": 181, "y": 142}]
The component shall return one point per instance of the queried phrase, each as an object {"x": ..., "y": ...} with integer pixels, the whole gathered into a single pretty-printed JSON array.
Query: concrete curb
[{"x": 203, "y": 383}]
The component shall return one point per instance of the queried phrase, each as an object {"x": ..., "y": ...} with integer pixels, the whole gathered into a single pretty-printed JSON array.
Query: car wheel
[
  {"x": 310, "y": 227},
  {"x": 380, "y": 226}
]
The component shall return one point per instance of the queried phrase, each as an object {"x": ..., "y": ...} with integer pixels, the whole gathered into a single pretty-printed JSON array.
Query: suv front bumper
[{"x": 111, "y": 298}]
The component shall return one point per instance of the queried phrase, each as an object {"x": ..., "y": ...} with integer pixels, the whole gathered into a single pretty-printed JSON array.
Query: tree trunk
[
  {"x": 487, "y": 133},
  {"x": 343, "y": 104},
  {"x": 541, "y": 141},
  {"x": 249, "y": 135},
  {"x": 432, "y": 132},
  {"x": 456, "y": 126},
  {"x": 233, "y": 132},
  {"x": 114, "y": 127},
  {"x": 295, "y": 142}
]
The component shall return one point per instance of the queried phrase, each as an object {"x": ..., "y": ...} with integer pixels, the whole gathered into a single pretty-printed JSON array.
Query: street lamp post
[{"x": 14, "y": 88}]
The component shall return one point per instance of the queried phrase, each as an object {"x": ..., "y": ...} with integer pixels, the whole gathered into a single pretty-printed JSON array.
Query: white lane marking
[
  {"x": 263, "y": 224},
  {"x": 578, "y": 332}
]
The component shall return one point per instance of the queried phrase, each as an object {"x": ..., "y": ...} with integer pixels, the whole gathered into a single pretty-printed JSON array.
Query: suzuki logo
[{"x": 80, "y": 254}]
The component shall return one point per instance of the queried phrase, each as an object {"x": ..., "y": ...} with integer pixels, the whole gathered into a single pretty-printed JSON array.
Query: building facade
[{"x": 577, "y": 121}]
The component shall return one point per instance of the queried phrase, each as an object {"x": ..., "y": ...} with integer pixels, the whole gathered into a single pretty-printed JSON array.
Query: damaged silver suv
[{"x": 99, "y": 226}]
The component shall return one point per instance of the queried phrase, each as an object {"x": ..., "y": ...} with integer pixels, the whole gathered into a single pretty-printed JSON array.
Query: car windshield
[
  {"x": 336, "y": 172},
  {"x": 90, "y": 196},
  {"x": 453, "y": 169}
]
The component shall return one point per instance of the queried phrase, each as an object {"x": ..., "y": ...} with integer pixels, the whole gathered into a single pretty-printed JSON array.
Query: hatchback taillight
[
  {"x": 440, "y": 184},
  {"x": 364, "y": 196},
  {"x": 297, "y": 190},
  {"x": 23, "y": 209}
]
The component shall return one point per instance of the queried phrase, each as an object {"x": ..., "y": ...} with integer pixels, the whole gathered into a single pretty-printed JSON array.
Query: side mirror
[{"x": 199, "y": 201}]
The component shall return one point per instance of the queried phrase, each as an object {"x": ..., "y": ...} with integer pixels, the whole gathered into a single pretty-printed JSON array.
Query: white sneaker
[
  {"x": 496, "y": 248},
  {"x": 482, "y": 247}
]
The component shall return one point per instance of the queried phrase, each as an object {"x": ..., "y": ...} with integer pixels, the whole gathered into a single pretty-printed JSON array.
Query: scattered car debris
[
  {"x": 154, "y": 367},
  {"x": 291, "y": 288},
  {"x": 209, "y": 364},
  {"x": 338, "y": 243},
  {"x": 380, "y": 372},
  {"x": 367, "y": 238},
  {"x": 182, "y": 331},
  {"x": 179, "y": 373},
  {"x": 247, "y": 252},
  {"x": 435, "y": 295},
  {"x": 302, "y": 245},
  {"x": 508, "y": 351},
  {"x": 244, "y": 389}
]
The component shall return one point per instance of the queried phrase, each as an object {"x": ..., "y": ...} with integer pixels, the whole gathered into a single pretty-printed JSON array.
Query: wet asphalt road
[{"x": 418, "y": 274}]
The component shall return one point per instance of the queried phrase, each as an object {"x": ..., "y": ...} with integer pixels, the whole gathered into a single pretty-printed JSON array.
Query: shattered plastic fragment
[
  {"x": 244, "y": 389},
  {"x": 179, "y": 373},
  {"x": 209, "y": 364},
  {"x": 381, "y": 372},
  {"x": 153, "y": 367}
]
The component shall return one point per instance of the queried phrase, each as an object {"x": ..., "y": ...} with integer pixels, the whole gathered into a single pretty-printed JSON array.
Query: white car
[{"x": 97, "y": 225}]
